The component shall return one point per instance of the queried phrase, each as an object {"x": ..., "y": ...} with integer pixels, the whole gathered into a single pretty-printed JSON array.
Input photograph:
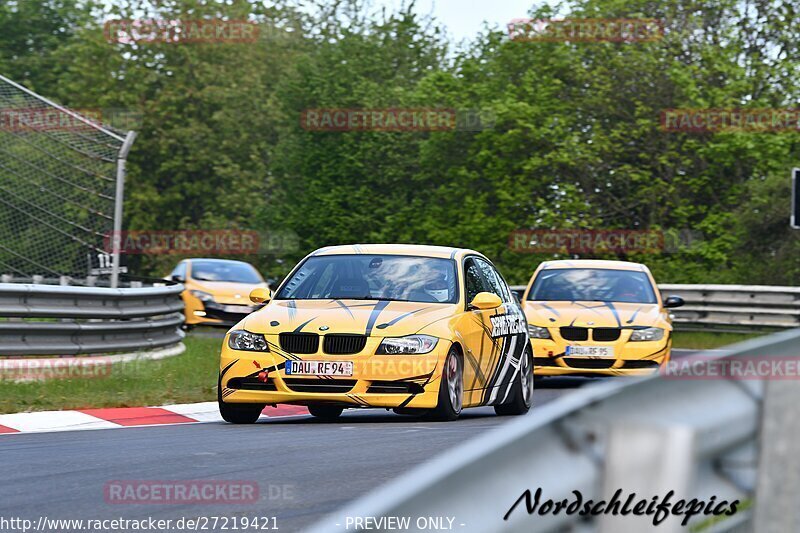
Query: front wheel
[
  {"x": 521, "y": 396},
  {"x": 325, "y": 412},
  {"x": 451, "y": 389},
  {"x": 239, "y": 413}
]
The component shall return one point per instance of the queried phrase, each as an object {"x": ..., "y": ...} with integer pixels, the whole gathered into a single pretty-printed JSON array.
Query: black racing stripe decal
[
  {"x": 610, "y": 305},
  {"x": 223, "y": 392},
  {"x": 225, "y": 370},
  {"x": 280, "y": 351},
  {"x": 633, "y": 316},
  {"x": 551, "y": 309},
  {"x": 344, "y": 306},
  {"x": 476, "y": 367},
  {"x": 358, "y": 400},
  {"x": 497, "y": 368},
  {"x": 428, "y": 380},
  {"x": 301, "y": 326},
  {"x": 421, "y": 377},
  {"x": 593, "y": 309},
  {"x": 373, "y": 317},
  {"x": 401, "y": 317}
]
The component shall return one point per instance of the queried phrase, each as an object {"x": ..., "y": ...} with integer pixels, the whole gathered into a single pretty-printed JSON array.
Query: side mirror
[
  {"x": 673, "y": 301},
  {"x": 178, "y": 278},
  {"x": 260, "y": 295},
  {"x": 485, "y": 300}
]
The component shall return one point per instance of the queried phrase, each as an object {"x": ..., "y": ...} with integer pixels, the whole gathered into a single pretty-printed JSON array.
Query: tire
[
  {"x": 451, "y": 389},
  {"x": 325, "y": 412},
  {"x": 239, "y": 413},
  {"x": 521, "y": 396}
]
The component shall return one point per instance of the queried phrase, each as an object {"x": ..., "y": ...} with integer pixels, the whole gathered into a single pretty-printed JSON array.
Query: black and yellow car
[{"x": 417, "y": 329}]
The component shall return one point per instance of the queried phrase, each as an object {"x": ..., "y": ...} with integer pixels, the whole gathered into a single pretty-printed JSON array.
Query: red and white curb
[{"x": 120, "y": 417}]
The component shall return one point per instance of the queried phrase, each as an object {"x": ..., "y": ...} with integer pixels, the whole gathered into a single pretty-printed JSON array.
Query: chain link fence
[{"x": 61, "y": 188}]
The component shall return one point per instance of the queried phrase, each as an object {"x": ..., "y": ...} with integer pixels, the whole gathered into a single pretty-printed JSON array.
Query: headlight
[
  {"x": 647, "y": 334},
  {"x": 412, "y": 344},
  {"x": 535, "y": 332},
  {"x": 202, "y": 296},
  {"x": 248, "y": 342}
]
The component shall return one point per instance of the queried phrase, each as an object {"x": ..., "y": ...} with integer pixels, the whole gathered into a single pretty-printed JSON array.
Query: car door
[
  {"x": 510, "y": 328},
  {"x": 481, "y": 351}
]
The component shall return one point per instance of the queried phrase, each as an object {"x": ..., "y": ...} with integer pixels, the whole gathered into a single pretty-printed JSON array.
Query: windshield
[
  {"x": 373, "y": 277},
  {"x": 588, "y": 284},
  {"x": 233, "y": 271}
]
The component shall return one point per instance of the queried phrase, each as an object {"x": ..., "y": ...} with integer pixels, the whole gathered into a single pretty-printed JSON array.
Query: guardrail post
[
  {"x": 777, "y": 509},
  {"x": 648, "y": 460}
]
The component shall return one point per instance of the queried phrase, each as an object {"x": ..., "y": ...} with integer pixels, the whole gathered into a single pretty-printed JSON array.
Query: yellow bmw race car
[
  {"x": 217, "y": 290},
  {"x": 597, "y": 317},
  {"x": 417, "y": 329}
]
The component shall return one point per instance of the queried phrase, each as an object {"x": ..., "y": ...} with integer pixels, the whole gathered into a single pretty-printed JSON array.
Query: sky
[{"x": 464, "y": 18}]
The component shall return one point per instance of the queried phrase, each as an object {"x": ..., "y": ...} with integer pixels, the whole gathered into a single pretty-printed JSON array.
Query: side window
[
  {"x": 473, "y": 280},
  {"x": 179, "y": 271},
  {"x": 495, "y": 285},
  {"x": 508, "y": 296}
]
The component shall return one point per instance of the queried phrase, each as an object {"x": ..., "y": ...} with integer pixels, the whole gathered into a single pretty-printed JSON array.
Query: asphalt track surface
[{"x": 304, "y": 468}]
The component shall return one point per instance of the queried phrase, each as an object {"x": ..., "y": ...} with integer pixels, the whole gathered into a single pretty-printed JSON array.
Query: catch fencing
[{"x": 61, "y": 188}]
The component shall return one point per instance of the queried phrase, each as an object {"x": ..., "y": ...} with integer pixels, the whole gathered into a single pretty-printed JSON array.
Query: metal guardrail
[
  {"x": 64, "y": 320},
  {"x": 731, "y": 307},
  {"x": 737, "y": 305},
  {"x": 699, "y": 438}
]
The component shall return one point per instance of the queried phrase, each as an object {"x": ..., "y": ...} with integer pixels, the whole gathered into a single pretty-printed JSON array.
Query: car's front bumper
[
  {"x": 630, "y": 358},
  {"x": 217, "y": 314},
  {"x": 389, "y": 381}
]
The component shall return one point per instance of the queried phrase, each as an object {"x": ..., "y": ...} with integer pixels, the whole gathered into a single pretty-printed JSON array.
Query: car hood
[
  {"x": 227, "y": 292},
  {"x": 377, "y": 318},
  {"x": 592, "y": 314}
]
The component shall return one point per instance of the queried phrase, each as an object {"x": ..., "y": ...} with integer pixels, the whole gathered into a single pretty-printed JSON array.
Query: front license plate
[
  {"x": 237, "y": 309},
  {"x": 319, "y": 368},
  {"x": 592, "y": 351}
]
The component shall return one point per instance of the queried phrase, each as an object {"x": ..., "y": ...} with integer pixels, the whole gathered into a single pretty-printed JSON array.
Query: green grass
[
  {"x": 186, "y": 378},
  {"x": 706, "y": 340},
  {"x": 189, "y": 377}
]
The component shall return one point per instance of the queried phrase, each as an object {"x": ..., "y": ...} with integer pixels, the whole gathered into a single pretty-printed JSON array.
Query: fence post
[
  {"x": 777, "y": 509},
  {"x": 119, "y": 197},
  {"x": 648, "y": 460}
]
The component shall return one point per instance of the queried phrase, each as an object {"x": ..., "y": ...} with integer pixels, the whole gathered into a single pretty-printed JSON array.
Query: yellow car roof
[
  {"x": 397, "y": 249},
  {"x": 594, "y": 263}
]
